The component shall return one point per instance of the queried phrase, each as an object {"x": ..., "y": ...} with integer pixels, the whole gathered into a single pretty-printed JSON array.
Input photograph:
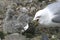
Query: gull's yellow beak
[{"x": 35, "y": 22}]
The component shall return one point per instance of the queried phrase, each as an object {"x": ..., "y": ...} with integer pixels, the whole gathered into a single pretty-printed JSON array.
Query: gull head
[
  {"x": 41, "y": 16},
  {"x": 37, "y": 15},
  {"x": 44, "y": 17}
]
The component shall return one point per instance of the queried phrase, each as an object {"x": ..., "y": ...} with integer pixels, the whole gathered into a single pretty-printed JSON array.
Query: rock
[
  {"x": 0, "y": 38},
  {"x": 35, "y": 1},
  {"x": 44, "y": 36},
  {"x": 54, "y": 36},
  {"x": 15, "y": 36},
  {"x": 23, "y": 9},
  {"x": 32, "y": 9},
  {"x": 29, "y": 1},
  {"x": 57, "y": 0},
  {"x": 1, "y": 22},
  {"x": 43, "y": 4},
  {"x": 1, "y": 17}
]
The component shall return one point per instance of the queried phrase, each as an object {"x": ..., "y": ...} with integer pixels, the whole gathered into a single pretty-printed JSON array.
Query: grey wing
[
  {"x": 57, "y": 13},
  {"x": 56, "y": 19}
]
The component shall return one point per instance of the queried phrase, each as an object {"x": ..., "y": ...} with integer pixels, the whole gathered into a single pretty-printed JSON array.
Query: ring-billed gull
[{"x": 50, "y": 15}]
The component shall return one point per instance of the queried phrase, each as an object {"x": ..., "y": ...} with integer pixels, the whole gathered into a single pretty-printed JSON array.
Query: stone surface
[
  {"x": 23, "y": 9},
  {"x": 24, "y": 12},
  {"x": 15, "y": 36}
]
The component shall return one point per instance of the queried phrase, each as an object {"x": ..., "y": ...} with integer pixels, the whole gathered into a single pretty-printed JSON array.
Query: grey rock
[
  {"x": 24, "y": 9},
  {"x": 28, "y": 1},
  {"x": 32, "y": 9},
  {"x": 15, "y": 36},
  {"x": 44, "y": 36},
  {"x": 57, "y": 0},
  {"x": 0, "y": 38}
]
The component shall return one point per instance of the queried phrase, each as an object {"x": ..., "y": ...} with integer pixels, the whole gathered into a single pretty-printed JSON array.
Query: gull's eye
[{"x": 38, "y": 17}]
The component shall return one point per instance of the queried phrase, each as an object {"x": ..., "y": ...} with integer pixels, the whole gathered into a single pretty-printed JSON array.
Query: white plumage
[{"x": 49, "y": 16}]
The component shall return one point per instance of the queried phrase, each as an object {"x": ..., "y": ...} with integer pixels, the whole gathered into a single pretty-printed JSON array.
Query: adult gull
[{"x": 49, "y": 16}]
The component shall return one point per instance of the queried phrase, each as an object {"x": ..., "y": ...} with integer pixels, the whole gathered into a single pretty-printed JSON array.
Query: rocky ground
[{"x": 17, "y": 13}]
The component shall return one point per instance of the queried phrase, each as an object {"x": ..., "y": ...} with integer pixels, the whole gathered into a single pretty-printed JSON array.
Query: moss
[
  {"x": 40, "y": 0},
  {"x": 2, "y": 34}
]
